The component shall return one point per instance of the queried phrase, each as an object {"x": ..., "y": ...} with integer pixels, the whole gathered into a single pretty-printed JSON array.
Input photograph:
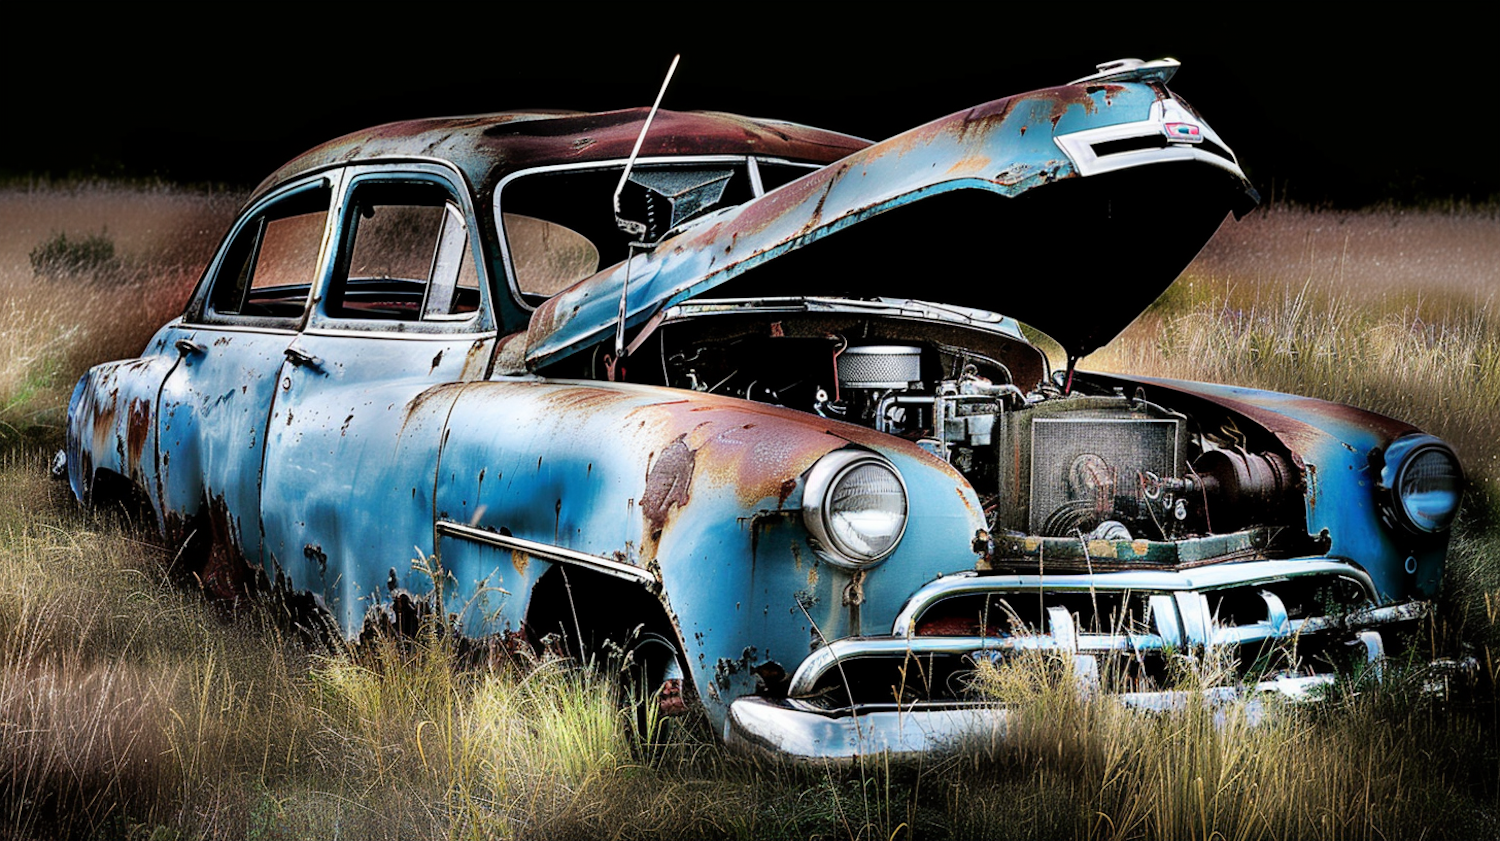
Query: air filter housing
[{"x": 880, "y": 366}]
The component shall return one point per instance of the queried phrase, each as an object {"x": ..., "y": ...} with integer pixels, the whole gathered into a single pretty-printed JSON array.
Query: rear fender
[{"x": 112, "y": 425}]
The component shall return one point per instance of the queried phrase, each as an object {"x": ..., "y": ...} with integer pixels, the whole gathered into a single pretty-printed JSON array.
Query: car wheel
[{"x": 652, "y": 689}]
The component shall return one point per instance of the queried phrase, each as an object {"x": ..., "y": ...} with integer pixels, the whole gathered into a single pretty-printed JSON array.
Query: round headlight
[
  {"x": 854, "y": 504},
  {"x": 1425, "y": 483}
]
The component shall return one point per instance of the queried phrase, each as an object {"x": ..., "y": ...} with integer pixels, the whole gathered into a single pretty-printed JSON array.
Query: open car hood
[{"x": 1070, "y": 209}]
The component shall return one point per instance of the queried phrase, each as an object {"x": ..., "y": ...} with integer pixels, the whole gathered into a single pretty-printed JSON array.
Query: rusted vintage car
[{"x": 786, "y": 440}]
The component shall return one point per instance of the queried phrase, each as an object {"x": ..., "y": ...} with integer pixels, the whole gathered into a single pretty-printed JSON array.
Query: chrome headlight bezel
[
  {"x": 823, "y": 480},
  {"x": 1401, "y": 458}
]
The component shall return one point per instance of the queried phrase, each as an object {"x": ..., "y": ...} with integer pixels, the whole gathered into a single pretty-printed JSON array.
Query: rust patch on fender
[
  {"x": 742, "y": 447},
  {"x": 582, "y": 400},
  {"x": 785, "y": 491},
  {"x": 1298, "y": 436},
  {"x": 104, "y": 420},
  {"x": 414, "y": 405},
  {"x": 667, "y": 484},
  {"x": 137, "y": 429},
  {"x": 418, "y": 404},
  {"x": 759, "y": 449}
]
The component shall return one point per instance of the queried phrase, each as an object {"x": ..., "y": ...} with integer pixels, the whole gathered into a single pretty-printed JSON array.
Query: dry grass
[
  {"x": 53, "y": 327},
  {"x": 117, "y": 690},
  {"x": 128, "y": 708},
  {"x": 127, "y": 703},
  {"x": 1361, "y": 765}
]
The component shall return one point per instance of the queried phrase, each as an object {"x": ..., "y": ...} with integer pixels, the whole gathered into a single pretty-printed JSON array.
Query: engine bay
[{"x": 1098, "y": 462}]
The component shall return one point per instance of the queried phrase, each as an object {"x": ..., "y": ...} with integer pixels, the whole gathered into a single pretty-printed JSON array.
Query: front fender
[
  {"x": 698, "y": 493},
  {"x": 1340, "y": 450}
]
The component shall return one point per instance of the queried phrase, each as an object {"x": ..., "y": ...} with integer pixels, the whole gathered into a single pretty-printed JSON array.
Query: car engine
[{"x": 1096, "y": 463}]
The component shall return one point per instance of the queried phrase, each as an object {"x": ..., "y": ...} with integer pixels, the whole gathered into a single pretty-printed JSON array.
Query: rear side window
[
  {"x": 272, "y": 260},
  {"x": 406, "y": 256}
]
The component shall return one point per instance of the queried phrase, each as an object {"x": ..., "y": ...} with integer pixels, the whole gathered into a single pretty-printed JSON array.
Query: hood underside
[{"x": 1066, "y": 208}]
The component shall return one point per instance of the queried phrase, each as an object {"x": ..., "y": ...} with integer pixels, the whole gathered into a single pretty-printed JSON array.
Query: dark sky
[{"x": 1325, "y": 106}]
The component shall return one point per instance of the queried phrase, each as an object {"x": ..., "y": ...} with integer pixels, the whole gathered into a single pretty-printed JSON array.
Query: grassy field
[{"x": 131, "y": 708}]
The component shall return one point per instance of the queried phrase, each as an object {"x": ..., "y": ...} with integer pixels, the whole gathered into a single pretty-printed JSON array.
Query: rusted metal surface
[
  {"x": 667, "y": 484},
  {"x": 137, "y": 429},
  {"x": 676, "y": 493},
  {"x": 488, "y": 147},
  {"x": 1301, "y": 423},
  {"x": 221, "y": 568}
]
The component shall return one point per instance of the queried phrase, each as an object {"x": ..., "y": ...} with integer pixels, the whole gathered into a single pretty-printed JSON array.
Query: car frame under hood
[{"x": 1070, "y": 208}]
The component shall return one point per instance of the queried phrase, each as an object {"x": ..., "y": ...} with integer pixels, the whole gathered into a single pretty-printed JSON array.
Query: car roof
[{"x": 487, "y": 147}]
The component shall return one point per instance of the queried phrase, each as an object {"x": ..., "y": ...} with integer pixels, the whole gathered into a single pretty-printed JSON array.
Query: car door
[
  {"x": 231, "y": 342},
  {"x": 402, "y": 321}
]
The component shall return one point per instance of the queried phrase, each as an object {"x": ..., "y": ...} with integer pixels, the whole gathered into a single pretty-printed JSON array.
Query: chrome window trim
[
  {"x": 199, "y": 301},
  {"x": 336, "y": 332},
  {"x": 237, "y": 328},
  {"x": 753, "y": 169}
]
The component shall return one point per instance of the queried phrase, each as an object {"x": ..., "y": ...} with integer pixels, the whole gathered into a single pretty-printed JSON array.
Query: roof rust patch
[{"x": 487, "y": 147}]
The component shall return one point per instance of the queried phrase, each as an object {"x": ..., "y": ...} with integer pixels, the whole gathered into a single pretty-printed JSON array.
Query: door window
[
  {"x": 406, "y": 256},
  {"x": 272, "y": 260}
]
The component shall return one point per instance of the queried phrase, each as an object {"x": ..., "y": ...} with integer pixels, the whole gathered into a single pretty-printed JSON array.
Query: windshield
[{"x": 558, "y": 223}]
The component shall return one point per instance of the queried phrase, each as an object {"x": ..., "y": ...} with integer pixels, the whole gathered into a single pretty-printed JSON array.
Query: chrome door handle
[{"x": 302, "y": 359}]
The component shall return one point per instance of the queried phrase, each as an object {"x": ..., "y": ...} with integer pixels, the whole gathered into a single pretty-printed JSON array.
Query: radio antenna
[{"x": 629, "y": 226}]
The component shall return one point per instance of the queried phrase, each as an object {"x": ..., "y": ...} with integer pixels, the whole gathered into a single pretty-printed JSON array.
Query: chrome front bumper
[
  {"x": 794, "y": 729},
  {"x": 798, "y": 730},
  {"x": 1183, "y": 619}
]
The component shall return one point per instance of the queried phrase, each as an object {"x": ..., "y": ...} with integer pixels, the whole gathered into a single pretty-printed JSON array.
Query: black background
[{"x": 1326, "y": 106}]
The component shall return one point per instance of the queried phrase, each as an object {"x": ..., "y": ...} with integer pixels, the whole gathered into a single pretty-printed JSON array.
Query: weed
[{"x": 90, "y": 257}]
